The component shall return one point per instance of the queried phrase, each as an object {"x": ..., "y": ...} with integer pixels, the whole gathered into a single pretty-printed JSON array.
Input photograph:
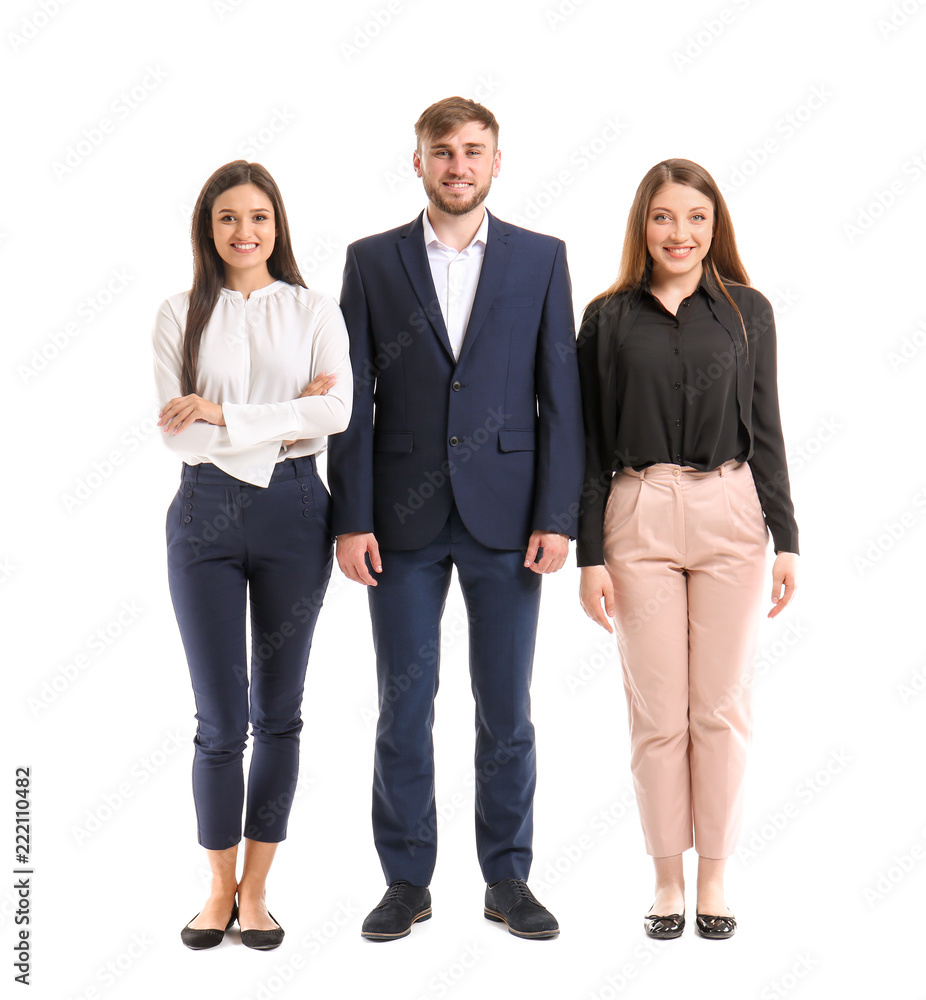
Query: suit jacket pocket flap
[
  {"x": 395, "y": 441},
  {"x": 514, "y": 440}
]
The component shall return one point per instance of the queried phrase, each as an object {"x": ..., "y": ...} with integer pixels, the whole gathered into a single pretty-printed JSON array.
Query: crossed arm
[{"x": 181, "y": 411}]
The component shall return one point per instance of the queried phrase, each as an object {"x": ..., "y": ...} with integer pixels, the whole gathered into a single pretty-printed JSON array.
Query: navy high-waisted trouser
[{"x": 228, "y": 541}]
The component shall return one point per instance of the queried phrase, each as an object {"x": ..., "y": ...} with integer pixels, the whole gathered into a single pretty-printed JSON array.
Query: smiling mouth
[
  {"x": 678, "y": 251},
  {"x": 458, "y": 185},
  {"x": 244, "y": 247}
]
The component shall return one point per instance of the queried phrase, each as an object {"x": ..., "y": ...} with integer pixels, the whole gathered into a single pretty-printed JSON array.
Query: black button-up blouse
[{"x": 681, "y": 389}]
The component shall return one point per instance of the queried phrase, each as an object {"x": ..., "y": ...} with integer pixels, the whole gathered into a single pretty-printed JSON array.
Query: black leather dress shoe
[
  {"x": 264, "y": 940},
  {"x": 206, "y": 937},
  {"x": 664, "y": 928},
  {"x": 511, "y": 902},
  {"x": 716, "y": 928},
  {"x": 403, "y": 905}
]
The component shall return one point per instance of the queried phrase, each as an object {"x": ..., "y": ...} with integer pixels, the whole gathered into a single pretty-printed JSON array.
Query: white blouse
[{"x": 256, "y": 356}]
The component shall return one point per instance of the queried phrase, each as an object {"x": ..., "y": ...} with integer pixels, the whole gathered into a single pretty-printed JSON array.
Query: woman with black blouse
[{"x": 686, "y": 476}]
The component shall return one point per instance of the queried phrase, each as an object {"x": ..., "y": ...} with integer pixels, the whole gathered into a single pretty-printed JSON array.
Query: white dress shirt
[
  {"x": 456, "y": 275},
  {"x": 256, "y": 356}
]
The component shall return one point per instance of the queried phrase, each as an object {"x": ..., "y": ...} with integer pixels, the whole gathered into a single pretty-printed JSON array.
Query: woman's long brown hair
[
  {"x": 208, "y": 266},
  {"x": 722, "y": 260}
]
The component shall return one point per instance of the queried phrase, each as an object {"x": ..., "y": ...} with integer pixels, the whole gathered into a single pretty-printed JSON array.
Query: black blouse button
[
  {"x": 677, "y": 385},
  {"x": 187, "y": 519},
  {"x": 675, "y": 350},
  {"x": 454, "y": 441},
  {"x": 457, "y": 386},
  {"x": 306, "y": 512},
  {"x": 305, "y": 487},
  {"x": 306, "y": 499}
]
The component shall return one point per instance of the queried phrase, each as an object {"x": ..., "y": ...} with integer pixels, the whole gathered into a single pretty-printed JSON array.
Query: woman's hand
[
  {"x": 594, "y": 588},
  {"x": 181, "y": 411},
  {"x": 784, "y": 577},
  {"x": 319, "y": 386}
]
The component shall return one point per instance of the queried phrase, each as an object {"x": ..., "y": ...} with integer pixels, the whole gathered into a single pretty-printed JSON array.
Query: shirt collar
[
  {"x": 707, "y": 284},
  {"x": 258, "y": 293},
  {"x": 482, "y": 233}
]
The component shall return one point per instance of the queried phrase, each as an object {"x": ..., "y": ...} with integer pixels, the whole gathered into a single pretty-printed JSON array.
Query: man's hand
[
  {"x": 555, "y": 549},
  {"x": 352, "y": 550},
  {"x": 181, "y": 411},
  {"x": 596, "y": 588}
]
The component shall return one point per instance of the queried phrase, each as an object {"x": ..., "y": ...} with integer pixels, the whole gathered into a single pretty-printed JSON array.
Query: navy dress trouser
[
  {"x": 502, "y": 602},
  {"x": 227, "y": 542}
]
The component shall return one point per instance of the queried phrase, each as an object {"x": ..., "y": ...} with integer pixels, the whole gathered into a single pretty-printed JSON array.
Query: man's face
[{"x": 457, "y": 169}]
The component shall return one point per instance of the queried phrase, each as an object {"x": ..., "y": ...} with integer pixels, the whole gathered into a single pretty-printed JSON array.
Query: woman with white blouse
[{"x": 253, "y": 372}]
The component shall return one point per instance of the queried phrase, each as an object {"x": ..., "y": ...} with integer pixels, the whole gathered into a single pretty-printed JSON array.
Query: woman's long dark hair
[
  {"x": 722, "y": 261},
  {"x": 208, "y": 266}
]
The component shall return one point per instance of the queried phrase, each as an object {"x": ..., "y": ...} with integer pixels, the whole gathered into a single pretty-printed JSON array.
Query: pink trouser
[{"x": 686, "y": 554}]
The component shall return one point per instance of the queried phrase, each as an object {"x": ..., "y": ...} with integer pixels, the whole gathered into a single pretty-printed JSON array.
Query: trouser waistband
[
  {"x": 289, "y": 468},
  {"x": 664, "y": 470}
]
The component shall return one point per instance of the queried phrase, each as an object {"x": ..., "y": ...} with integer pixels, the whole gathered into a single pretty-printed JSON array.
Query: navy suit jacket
[{"x": 498, "y": 431}]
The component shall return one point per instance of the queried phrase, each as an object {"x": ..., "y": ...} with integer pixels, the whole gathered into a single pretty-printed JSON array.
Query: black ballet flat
[
  {"x": 664, "y": 928},
  {"x": 264, "y": 940},
  {"x": 199, "y": 938},
  {"x": 716, "y": 928}
]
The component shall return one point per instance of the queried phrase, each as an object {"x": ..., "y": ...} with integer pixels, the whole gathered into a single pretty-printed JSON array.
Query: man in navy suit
[{"x": 465, "y": 448}]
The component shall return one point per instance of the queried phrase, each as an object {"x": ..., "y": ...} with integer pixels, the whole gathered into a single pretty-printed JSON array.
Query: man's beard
[{"x": 435, "y": 193}]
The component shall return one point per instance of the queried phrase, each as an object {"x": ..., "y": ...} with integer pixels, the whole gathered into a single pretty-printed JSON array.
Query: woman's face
[
  {"x": 679, "y": 227},
  {"x": 243, "y": 229}
]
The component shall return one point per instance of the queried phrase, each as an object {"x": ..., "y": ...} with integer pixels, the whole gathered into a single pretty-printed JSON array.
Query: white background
[{"x": 811, "y": 117}]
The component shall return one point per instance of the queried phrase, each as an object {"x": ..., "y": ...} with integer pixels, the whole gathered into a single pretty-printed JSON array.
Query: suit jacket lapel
[
  {"x": 415, "y": 260},
  {"x": 494, "y": 266}
]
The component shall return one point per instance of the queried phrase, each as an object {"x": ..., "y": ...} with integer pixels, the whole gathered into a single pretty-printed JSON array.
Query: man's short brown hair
[{"x": 446, "y": 116}]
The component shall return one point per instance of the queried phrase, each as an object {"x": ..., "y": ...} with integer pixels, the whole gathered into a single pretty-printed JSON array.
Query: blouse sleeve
[
  {"x": 250, "y": 424},
  {"x": 596, "y": 483},
  {"x": 200, "y": 437},
  {"x": 768, "y": 461}
]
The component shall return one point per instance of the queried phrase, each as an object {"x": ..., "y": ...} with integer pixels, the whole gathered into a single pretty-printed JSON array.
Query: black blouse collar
[{"x": 708, "y": 282}]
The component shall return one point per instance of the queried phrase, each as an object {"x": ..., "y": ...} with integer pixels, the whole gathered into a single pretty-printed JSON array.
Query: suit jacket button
[
  {"x": 454, "y": 441},
  {"x": 457, "y": 386}
]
